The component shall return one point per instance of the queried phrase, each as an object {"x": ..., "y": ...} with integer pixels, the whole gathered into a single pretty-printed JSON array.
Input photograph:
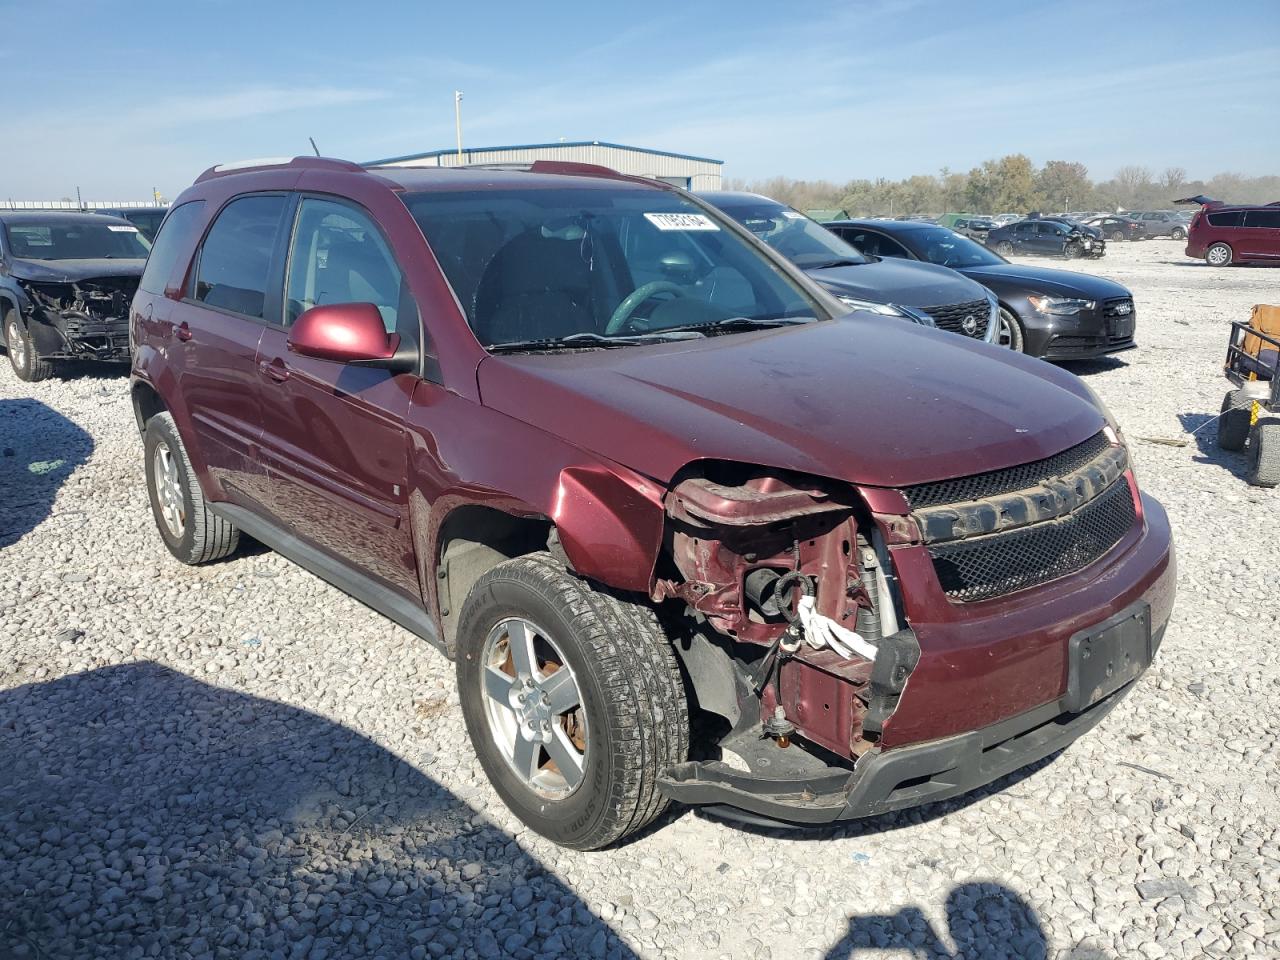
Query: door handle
[
  {"x": 182, "y": 331},
  {"x": 275, "y": 369}
]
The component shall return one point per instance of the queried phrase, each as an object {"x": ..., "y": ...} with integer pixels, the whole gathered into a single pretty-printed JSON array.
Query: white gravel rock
[{"x": 239, "y": 761}]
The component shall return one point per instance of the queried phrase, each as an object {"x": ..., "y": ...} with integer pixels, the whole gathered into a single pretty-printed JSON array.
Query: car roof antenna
[{"x": 313, "y": 145}]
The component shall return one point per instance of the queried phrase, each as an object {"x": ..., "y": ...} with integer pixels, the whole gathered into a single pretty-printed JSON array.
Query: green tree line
[{"x": 1012, "y": 184}]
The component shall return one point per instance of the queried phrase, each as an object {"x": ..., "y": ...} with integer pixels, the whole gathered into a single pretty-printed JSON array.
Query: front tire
[
  {"x": 1179, "y": 234},
  {"x": 1004, "y": 248},
  {"x": 191, "y": 531},
  {"x": 1011, "y": 334},
  {"x": 24, "y": 355},
  {"x": 1233, "y": 422},
  {"x": 1218, "y": 255},
  {"x": 1072, "y": 251},
  {"x": 576, "y": 759},
  {"x": 1264, "y": 453}
]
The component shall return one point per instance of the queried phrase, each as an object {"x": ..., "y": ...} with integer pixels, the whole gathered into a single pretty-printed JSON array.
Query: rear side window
[
  {"x": 235, "y": 261},
  {"x": 173, "y": 240},
  {"x": 1228, "y": 218},
  {"x": 1262, "y": 218}
]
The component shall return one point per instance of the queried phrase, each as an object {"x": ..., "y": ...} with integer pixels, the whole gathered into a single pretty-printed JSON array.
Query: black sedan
[
  {"x": 920, "y": 292},
  {"x": 1119, "y": 228},
  {"x": 1048, "y": 238},
  {"x": 1054, "y": 314}
]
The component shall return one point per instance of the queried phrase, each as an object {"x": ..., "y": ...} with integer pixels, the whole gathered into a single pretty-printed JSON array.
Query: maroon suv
[
  {"x": 1222, "y": 235},
  {"x": 639, "y": 478}
]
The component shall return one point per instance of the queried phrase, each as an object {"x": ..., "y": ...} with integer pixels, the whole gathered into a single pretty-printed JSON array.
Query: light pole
[{"x": 457, "y": 120}]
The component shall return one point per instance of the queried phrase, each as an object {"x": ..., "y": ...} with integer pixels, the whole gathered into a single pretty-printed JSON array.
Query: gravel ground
[{"x": 239, "y": 761}]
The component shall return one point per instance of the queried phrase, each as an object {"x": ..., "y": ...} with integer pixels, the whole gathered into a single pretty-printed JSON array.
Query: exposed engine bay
[
  {"x": 790, "y": 581},
  {"x": 89, "y": 319}
]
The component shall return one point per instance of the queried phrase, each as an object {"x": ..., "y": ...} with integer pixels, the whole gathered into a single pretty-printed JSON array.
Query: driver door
[{"x": 334, "y": 440}]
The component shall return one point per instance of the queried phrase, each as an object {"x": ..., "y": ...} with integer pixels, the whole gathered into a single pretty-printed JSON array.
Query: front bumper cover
[{"x": 882, "y": 782}]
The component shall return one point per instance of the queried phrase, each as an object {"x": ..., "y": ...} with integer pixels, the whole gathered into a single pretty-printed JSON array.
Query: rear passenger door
[
  {"x": 333, "y": 439},
  {"x": 213, "y": 333}
]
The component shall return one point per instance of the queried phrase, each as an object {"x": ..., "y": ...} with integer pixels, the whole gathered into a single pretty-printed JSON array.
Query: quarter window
[
  {"x": 173, "y": 240},
  {"x": 235, "y": 261},
  {"x": 1228, "y": 218}
]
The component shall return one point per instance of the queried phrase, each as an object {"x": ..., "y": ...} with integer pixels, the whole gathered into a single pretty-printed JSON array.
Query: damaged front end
[
  {"x": 797, "y": 634},
  {"x": 80, "y": 319}
]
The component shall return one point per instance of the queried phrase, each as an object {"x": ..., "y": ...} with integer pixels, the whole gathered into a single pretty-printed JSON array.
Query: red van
[{"x": 1222, "y": 235}]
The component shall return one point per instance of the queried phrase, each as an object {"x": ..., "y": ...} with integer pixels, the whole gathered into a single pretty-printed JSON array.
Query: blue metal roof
[{"x": 539, "y": 146}]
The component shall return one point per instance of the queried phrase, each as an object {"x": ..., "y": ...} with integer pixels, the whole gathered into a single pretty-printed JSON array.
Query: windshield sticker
[
  {"x": 792, "y": 215},
  {"x": 114, "y": 229},
  {"x": 680, "y": 221}
]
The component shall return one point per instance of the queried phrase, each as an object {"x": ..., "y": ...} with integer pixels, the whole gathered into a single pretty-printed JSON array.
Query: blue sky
[{"x": 120, "y": 97}]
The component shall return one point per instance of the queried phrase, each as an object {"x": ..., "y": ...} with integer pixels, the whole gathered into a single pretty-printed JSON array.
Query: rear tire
[
  {"x": 1004, "y": 248},
  {"x": 1179, "y": 233},
  {"x": 1117, "y": 235},
  {"x": 628, "y": 710},
  {"x": 24, "y": 356},
  {"x": 1233, "y": 424},
  {"x": 1264, "y": 453},
  {"x": 1218, "y": 255},
  {"x": 191, "y": 531}
]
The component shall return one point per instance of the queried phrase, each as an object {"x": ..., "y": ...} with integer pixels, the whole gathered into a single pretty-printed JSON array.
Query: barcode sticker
[
  {"x": 114, "y": 229},
  {"x": 680, "y": 221}
]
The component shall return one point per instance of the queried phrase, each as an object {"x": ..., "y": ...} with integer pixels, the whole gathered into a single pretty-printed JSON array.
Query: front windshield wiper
[
  {"x": 841, "y": 262},
  {"x": 730, "y": 324},
  {"x": 585, "y": 340}
]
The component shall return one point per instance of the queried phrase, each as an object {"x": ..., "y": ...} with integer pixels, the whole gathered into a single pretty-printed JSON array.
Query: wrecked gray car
[{"x": 66, "y": 282}]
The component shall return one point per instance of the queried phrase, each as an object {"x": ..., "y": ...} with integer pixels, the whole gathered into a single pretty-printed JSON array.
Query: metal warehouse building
[{"x": 692, "y": 173}]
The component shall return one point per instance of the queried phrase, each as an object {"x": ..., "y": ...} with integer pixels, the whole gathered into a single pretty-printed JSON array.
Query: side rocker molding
[{"x": 412, "y": 616}]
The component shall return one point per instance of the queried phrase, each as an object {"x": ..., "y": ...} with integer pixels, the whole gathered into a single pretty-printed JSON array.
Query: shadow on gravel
[
  {"x": 39, "y": 450},
  {"x": 984, "y": 920},
  {"x": 144, "y": 813},
  {"x": 1206, "y": 442},
  {"x": 1087, "y": 368}
]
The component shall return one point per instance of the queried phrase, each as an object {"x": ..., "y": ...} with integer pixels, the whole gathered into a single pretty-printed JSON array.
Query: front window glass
[
  {"x": 947, "y": 249},
  {"x": 52, "y": 240},
  {"x": 599, "y": 263},
  {"x": 340, "y": 257},
  {"x": 804, "y": 242}
]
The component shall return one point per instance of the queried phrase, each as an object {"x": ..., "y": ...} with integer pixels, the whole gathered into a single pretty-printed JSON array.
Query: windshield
[
  {"x": 939, "y": 245},
  {"x": 76, "y": 241},
  {"x": 804, "y": 242},
  {"x": 599, "y": 263}
]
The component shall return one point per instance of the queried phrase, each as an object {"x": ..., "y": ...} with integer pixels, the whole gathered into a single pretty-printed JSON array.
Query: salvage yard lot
[{"x": 213, "y": 761}]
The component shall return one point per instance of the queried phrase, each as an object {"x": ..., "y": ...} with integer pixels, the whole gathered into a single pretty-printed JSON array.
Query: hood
[
  {"x": 864, "y": 398},
  {"x": 1015, "y": 278},
  {"x": 908, "y": 283},
  {"x": 70, "y": 271}
]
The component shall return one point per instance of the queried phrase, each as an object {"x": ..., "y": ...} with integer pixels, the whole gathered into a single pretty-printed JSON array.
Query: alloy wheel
[
  {"x": 17, "y": 345},
  {"x": 533, "y": 706},
  {"x": 169, "y": 491}
]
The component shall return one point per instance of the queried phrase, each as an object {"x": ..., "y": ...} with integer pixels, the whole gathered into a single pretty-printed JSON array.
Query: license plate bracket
[
  {"x": 1103, "y": 658},
  {"x": 1122, "y": 326}
]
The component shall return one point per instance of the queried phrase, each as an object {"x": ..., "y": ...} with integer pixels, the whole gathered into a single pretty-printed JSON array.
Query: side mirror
[{"x": 351, "y": 333}]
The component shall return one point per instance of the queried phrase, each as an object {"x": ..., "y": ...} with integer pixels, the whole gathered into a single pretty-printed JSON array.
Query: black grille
[
  {"x": 1006, "y": 481},
  {"x": 951, "y": 317},
  {"x": 1004, "y": 562},
  {"x": 1112, "y": 308}
]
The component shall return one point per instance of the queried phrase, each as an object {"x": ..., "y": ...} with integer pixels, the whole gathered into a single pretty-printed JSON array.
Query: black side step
[{"x": 395, "y": 606}]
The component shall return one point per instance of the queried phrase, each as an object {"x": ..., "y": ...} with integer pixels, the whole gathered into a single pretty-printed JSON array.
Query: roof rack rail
[{"x": 262, "y": 163}]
